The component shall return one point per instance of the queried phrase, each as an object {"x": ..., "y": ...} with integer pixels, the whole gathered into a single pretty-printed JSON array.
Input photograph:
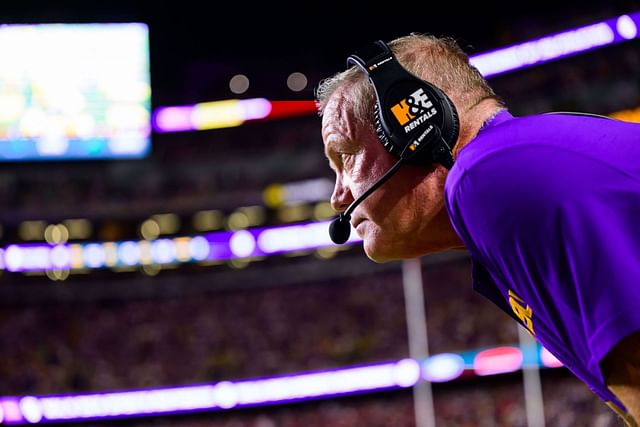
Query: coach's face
[{"x": 404, "y": 218}]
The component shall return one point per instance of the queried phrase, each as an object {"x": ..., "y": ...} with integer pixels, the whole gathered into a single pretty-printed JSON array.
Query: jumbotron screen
[{"x": 74, "y": 91}]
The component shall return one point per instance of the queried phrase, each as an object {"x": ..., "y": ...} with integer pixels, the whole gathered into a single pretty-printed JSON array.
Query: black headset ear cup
[
  {"x": 384, "y": 139},
  {"x": 455, "y": 128},
  {"x": 451, "y": 128}
]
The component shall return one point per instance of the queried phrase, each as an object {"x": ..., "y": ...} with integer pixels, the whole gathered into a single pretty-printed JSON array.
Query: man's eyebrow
[{"x": 336, "y": 145}]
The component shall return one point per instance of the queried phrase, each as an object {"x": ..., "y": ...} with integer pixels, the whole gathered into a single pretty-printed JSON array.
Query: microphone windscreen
[{"x": 339, "y": 230}]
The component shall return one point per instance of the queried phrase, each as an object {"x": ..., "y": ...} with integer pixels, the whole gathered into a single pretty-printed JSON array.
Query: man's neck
[{"x": 473, "y": 120}]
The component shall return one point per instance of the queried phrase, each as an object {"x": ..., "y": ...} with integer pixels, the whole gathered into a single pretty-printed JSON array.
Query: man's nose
[{"x": 341, "y": 197}]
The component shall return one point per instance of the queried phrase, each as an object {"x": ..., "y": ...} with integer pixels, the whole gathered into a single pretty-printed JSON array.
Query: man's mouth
[{"x": 357, "y": 222}]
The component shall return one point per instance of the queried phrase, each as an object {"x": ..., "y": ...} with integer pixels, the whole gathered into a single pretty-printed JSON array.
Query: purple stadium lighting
[
  {"x": 242, "y": 244},
  {"x": 36, "y": 257},
  {"x": 217, "y": 246},
  {"x": 292, "y": 238},
  {"x": 11, "y": 411},
  {"x": 265, "y": 241},
  {"x": 223, "y": 395},
  {"x": 210, "y": 115},
  {"x": 173, "y": 118},
  {"x": 262, "y": 391},
  {"x": 559, "y": 45}
]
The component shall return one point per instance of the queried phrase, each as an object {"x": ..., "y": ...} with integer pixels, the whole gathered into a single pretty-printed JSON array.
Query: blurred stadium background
[{"x": 188, "y": 281}]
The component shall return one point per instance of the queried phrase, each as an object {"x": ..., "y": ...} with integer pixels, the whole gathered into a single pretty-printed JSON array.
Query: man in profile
[{"x": 547, "y": 205}]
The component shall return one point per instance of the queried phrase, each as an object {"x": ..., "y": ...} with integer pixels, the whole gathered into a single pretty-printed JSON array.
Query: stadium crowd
[{"x": 81, "y": 346}]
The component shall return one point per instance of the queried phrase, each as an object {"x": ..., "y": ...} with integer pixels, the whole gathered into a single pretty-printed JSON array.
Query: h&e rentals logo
[{"x": 414, "y": 110}]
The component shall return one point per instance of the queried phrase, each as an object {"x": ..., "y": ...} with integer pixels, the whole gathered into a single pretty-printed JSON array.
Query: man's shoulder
[
  {"x": 520, "y": 187},
  {"x": 546, "y": 147},
  {"x": 512, "y": 188},
  {"x": 497, "y": 168},
  {"x": 511, "y": 136},
  {"x": 579, "y": 133}
]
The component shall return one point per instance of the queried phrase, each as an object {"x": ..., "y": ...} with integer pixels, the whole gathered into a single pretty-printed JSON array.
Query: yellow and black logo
[
  {"x": 413, "y": 110},
  {"x": 522, "y": 311}
]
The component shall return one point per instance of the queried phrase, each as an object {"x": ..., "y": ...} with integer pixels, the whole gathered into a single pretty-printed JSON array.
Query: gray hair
[{"x": 439, "y": 61}]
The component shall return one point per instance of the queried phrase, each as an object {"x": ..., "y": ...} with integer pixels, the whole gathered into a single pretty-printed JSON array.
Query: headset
[{"x": 415, "y": 121}]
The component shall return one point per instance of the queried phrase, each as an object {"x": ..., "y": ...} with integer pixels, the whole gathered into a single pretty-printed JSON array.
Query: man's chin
[{"x": 378, "y": 252}]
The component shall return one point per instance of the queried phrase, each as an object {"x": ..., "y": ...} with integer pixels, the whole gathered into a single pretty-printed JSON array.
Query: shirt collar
[{"x": 496, "y": 118}]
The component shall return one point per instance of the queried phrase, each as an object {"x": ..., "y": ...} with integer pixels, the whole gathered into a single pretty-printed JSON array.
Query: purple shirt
[{"x": 549, "y": 208}]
